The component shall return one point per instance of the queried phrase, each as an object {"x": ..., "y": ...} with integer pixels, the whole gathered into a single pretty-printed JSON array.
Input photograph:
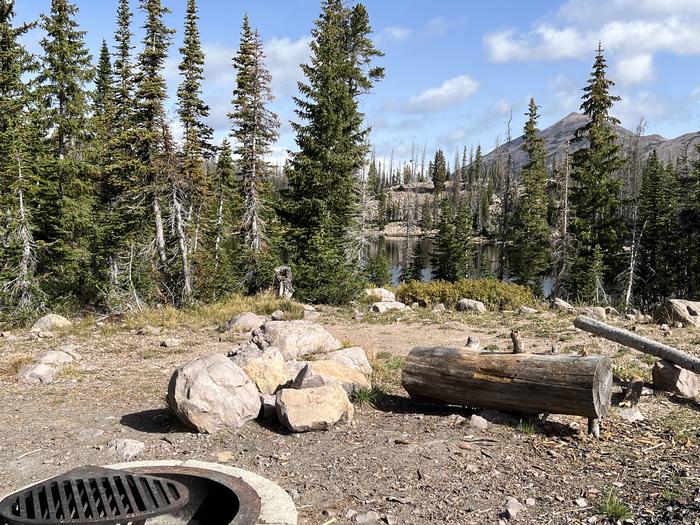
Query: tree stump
[{"x": 283, "y": 282}]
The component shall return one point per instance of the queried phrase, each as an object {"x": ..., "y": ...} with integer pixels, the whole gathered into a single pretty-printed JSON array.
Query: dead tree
[{"x": 283, "y": 282}]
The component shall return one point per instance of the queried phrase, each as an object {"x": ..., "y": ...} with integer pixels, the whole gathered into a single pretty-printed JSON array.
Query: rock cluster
[
  {"x": 46, "y": 365},
  {"x": 268, "y": 377}
]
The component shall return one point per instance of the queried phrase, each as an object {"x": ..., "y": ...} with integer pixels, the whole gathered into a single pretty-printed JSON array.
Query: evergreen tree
[
  {"x": 659, "y": 250},
  {"x": 426, "y": 215},
  {"x": 597, "y": 222},
  {"x": 414, "y": 268},
  {"x": 373, "y": 180},
  {"x": 377, "y": 271},
  {"x": 331, "y": 136},
  {"x": 464, "y": 248},
  {"x": 439, "y": 172},
  {"x": 20, "y": 294},
  {"x": 104, "y": 93},
  {"x": 528, "y": 258},
  {"x": 67, "y": 225},
  {"x": 444, "y": 260},
  {"x": 197, "y": 135}
]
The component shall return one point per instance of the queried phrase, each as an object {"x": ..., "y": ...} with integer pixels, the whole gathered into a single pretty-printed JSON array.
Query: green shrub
[{"x": 496, "y": 295}]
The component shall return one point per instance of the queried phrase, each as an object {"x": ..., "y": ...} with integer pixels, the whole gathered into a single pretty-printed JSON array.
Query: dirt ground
[{"x": 410, "y": 463}]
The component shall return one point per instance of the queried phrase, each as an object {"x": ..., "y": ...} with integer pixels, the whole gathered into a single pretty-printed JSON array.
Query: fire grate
[{"x": 92, "y": 495}]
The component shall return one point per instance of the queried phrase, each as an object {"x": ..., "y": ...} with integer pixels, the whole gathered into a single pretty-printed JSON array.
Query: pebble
[
  {"x": 368, "y": 518},
  {"x": 530, "y": 502},
  {"x": 170, "y": 342},
  {"x": 478, "y": 422},
  {"x": 513, "y": 508},
  {"x": 582, "y": 502},
  {"x": 126, "y": 449}
]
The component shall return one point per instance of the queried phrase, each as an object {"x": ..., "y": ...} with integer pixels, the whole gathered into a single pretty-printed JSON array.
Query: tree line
[
  {"x": 604, "y": 227},
  {"x": 103, "y": 208}
]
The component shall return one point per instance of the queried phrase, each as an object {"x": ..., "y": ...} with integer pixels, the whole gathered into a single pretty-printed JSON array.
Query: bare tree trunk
[
  {"x": 506, "y": 203},
  {"x": 160, "y": 236},
  {"x": 197, "y": 220},
  {"x": 632, "y": 270},
  {"x": 219, "y": 222},
  {"x": 182, "y": 241},
  {"x": 26, "y": 261},
  {"x": 130, "y": 275}
]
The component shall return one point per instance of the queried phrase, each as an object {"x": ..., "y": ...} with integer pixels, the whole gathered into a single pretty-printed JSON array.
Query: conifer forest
[{"x": 105, "y": 209}]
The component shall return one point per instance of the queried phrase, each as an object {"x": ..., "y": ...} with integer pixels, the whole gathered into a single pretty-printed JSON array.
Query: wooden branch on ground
[
  {"x": 528, "y": 383},
  {"x": 648, "y": 346}
]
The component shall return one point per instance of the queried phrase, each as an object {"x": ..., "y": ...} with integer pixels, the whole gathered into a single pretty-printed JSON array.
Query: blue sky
[{"x": 454, "y": 69}]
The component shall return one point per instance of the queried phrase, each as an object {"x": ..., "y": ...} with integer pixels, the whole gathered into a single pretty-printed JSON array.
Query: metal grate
[{"x": 94, "y": 495}]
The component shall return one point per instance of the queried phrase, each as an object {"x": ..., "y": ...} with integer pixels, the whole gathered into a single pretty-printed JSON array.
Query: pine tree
[
  {"x": 377, "y": 271},
  {"x": 444, "y": 258},
  {"x": 439, "y": 172},
  {"x": 331, "y": 137},
  {"x": 528, "y": 258},
  {"x": 373, "y": 180},
  {"x": 464, "y": 247},
  {"x": 149, "y": 119},
  {"x": 67, "y": 225},
  {"x": 20, "y": 294},
  {"x": 596, "y": 223},
  {"x": 104, "y": 92},
  {"x": 659, "y": 251},
  {"x": 414, "y": 269}
]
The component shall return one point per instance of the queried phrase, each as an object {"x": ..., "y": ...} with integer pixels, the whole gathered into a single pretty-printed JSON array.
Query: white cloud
[
  {"x": 449, "y": 93},
  {"x": 284, "y": 56},
  {"x": 641, "y": 104},
  {"x": 399, "y": 34},
  {"x": 440, "y": 26},
  {"x": 635, "y": 69}
]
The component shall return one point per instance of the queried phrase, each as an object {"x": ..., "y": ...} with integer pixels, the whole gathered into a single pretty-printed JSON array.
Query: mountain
[{"x": 556, "y": 136}]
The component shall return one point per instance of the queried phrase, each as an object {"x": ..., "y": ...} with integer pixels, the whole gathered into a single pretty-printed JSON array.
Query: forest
[{"x": 104, "y": 209}]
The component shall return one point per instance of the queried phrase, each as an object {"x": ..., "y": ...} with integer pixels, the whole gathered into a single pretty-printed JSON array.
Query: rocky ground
[{"x": 398, "y": 462}]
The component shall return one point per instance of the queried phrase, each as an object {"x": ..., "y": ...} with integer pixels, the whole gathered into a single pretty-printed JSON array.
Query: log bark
[
  {"x": 529, "y": 383},
  {"x": 648, "y": 346}
]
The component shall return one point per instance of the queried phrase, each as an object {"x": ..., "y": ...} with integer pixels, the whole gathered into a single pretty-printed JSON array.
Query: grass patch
[
  {"x": 632, "y": 369},
  {"x": 684, "y": 423},
  {"x": 386, "y": 370},
  {"x": 70, "y": 372},
  {"x": 14, "y": 364},
  {"x": 526, "y": 426},
  {"x": 677, "y": 489},
  {"x": 214, "y": 314},
  {"x": 496, "y": 295},
  {"x": 368, "y": 396},
  {"x": 614, "y": 508}
]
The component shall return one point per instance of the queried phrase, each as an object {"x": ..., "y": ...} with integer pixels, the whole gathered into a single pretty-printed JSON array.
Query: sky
[{"x": 455, "y": 69}]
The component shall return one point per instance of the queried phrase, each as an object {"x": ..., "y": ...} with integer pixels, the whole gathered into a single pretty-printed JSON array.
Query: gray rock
[
  {"x": 296, "y": 338},
  {"x": 440, "y": 307},
  {"x": 126, "y": 449},
  {"x": 50, "y": 322},
  {"x": 561, "y": 304},
  {"x": 37, "y": 373},
  {"x": 268, "y": 406},
  {"x": 382, "y": 293},
  {"x": 513, "y": 508},
  {"x": 313, "y": 408},
  {"x": 277, "y": 315},
  {"x": 268, "y": 371},
  {"x": 597, "y": 312},
  {"x": 631, "y": 415},
  {"x": 470, "y": 305},
  {"x": 353, "y": 357},
  {"x": 473, "y": 343},
  {"x": 148, "y": 330},
  {"x": 679, "y": 311},
  {"x": 55, "y": 358},
  {"x": 530, "y": 502},
  {"x": 244, "y": 354},
  {"x": 170, "y": 342},
  {"x": 212, "y": 393},
  {"x": 385, "y": 306},
  {"x": 526, "y": 310},
  {"x": 478, "y": 422},
  {"x": 673, "y": 378},
  {"x": 371, "y": 517},
  {"x": 612, "y": 312},
  {"x": 245, "y": 322},
  {"x": 324, "y": 373}
]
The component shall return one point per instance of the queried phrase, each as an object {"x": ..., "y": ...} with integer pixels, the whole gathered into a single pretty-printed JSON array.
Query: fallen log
[
  {"x": 648, "y": 346},
  {"x": 528, "y": 383}
]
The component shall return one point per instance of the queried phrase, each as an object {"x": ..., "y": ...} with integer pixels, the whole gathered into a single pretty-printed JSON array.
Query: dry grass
[
  {"x": 214, "y": 314},
  {"x": 14, "y": 364},
  {"x": 70, "y": 372}
]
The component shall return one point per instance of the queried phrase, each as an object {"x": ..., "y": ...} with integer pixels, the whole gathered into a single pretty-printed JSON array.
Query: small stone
[
  {"x": 277, "y": 315},
  {"x": 526, "y": 310},
  {"x": 473, "y": 343},
  {"x": 245, "y": 322},
  {"x": 170, "y": 342},
  {"x": 126, "y": 449},
  {"x": 50, "y": 322},
  {"x": 5, "y": 334},
  {"x": 244, "y": 354},
  {"x": 440, "y": 307},
  {"x": 37, "y": 373},
  {"x": 457, "y": 419},
  {"x": 148, "y": 330},
  {"x": 54, "y": 357},
  {"x": 90, "y": 434},
  {"x": 513, "y": 508},
  {"x": 530, "y": 502},
  {"x": 582, "y": 502},
  {"x": 224, "y": 457},
  {"x": 470, "y": 305},
  {"x": 368, "y": 518},
  {"x": 478, "y": 422},
  {"x": 631, "y": 415},
  {"x": 561, "y": 304},
  {"x": 382, "y": 293},
  {"x": 385, "y": 306}
]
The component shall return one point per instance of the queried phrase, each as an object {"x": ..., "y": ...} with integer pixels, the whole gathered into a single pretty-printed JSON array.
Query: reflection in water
[{"x": 396, "y": 250}]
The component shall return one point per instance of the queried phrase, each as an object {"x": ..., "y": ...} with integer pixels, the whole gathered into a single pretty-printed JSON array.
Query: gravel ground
[{"x": 399, "y": 462}]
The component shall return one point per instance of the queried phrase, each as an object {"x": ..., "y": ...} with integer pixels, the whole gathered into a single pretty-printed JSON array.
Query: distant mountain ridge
[{"x": 556, "y": 135}]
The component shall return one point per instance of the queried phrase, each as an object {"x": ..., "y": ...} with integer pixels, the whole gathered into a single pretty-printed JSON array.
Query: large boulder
[
  {"x": 244, "y": 354},
  {"x": 384, "y": 306},
  {"x": 55, "y": 358},
  {"x": 679, "y": 311},
  {"x": 37, "y": 373},
  {"x": 561, "y": 304},
  {"x": 673, "y": 378},
  {"x": 50, "y": 322},
  {"x": 313, "y": 408},
  {"x": 245, "y": 322},
  {"x": 324, "y": 373},
  {"x": 268, "y": 371},
  {"x": 354, "y": 357},
  {"x": 212, "y": 393},
  {"x": 296, "y": 338},
  {"x": 470, "y": 305},
  {"x": 382, "y": 293},
  {"x": 597, "y": 312}
]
